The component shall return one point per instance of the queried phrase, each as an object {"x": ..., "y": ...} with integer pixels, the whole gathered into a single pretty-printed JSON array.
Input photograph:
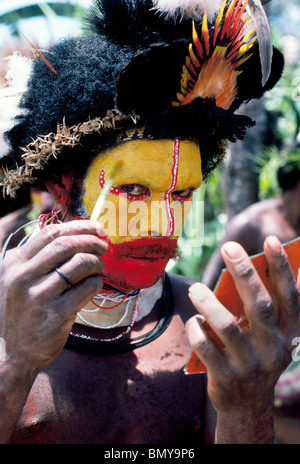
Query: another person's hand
[
  {"x": 242, "y": 376},
  {"x": 38, "y": 307}
]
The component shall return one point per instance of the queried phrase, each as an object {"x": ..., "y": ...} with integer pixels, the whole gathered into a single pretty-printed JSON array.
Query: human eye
[
  {"x": 183, "y": 195},
  {"x": 134, "y": 191}
]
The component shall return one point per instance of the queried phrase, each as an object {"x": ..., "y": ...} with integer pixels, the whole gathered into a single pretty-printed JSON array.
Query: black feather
[
  {"x": 135, "y": 23},
  {"x": 249, "y": 81},
  {"x": 202, "y": 120},
  {"x": 149, "y": 83}
]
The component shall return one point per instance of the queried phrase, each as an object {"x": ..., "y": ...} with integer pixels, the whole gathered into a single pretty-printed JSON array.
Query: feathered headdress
[{"x": 149, "y": 69}]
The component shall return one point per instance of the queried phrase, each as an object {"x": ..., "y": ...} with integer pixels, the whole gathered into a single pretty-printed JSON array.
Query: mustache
[{"x": 151, "y": 248}]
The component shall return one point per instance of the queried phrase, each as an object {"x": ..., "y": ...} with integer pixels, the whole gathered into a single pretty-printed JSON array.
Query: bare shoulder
[
  {"x": 181, "y": 281},
  {"x": 251, "y": 214},
  {"x": 244, "y": 225}
]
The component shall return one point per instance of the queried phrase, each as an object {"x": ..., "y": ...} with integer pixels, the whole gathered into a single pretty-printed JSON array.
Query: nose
[{"x": 157, "y": 222}]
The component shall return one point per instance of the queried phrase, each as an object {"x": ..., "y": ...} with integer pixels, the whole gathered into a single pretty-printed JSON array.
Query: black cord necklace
[{"x": 93, "y": 346}]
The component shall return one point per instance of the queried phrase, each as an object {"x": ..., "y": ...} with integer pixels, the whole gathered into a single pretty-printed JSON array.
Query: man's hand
[
  {"x": 241, "y": 378},
  {"x": 37, "y": 307}
]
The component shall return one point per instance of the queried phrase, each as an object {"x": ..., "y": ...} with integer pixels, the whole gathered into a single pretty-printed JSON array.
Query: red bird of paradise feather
[{"x": 212, "y": 66}]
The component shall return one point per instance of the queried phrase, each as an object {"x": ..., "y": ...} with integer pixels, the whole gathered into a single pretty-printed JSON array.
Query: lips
[
  {"x": 146, "y": 248},
  {"x": 148, "y": 258},
  {"x": 138, "y": 263},
  {"x": 141, "y": 254}
]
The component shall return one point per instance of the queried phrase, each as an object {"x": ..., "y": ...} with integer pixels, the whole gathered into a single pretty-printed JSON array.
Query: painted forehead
[{"x": 150, "y": 162}]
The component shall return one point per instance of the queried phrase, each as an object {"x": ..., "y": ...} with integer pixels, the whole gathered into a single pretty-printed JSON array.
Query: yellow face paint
[{"x": 151, "y": 193}]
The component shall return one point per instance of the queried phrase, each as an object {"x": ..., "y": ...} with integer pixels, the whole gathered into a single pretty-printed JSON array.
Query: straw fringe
[{"x": 38, "y": 153}]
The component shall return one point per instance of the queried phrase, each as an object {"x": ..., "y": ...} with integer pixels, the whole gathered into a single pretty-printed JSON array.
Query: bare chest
[{"x": 138, "y": 397}]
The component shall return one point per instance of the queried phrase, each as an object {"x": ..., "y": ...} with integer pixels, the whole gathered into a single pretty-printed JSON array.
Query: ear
[{"x": 61, "y": 193}]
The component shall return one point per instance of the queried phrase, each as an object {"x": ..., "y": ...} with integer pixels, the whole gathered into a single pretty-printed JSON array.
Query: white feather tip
[
  {"x": 188, "y": 9},
  {"x": 15, "y": 84}
]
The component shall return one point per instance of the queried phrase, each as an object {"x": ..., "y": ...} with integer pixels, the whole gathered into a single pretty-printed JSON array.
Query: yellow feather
[
  {"x": 183, "y": 91},
  {"x": 246, "y": 47},
  {"x": 196, "y": 41},
  {"x": 220, "y": 15},
  {"x": 219, "y": 51},
  {"x": 205, "y": 33},
  {"x": 242, "y": 61},
  {"x": 194, "y": 59},
  {"x": 180, "y": 97},
  {"x": 247, "y": 36}
]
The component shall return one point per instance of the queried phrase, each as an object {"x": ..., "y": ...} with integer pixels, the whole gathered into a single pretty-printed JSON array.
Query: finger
[
  {"x": 63, "y": 249},
  {"x": 283, "y": 282},
  {"x": 71, "y": 301},
  {"x": 54, "y": 231},
  {"x": 206, "y": 350},
  {"x": 73, "y": 272},
  {"x": 257, "y": 301},
  {"x": 220, "y": 320}
]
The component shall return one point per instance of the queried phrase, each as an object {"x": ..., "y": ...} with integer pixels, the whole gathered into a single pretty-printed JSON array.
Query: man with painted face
[{"x": 93, "y": 327}]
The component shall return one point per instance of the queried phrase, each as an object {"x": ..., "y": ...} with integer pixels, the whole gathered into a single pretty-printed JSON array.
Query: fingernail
[
  {"x": 274, "y": 244},
  {"x": 195, "y": 288},
  {"x": 99, "y": 230},
  {"x": 233, "y": 250},
  {"x": 197, "y": 292}
]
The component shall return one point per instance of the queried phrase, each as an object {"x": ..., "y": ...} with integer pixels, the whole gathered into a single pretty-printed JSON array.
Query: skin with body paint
[{"x": 150, "y": 197}]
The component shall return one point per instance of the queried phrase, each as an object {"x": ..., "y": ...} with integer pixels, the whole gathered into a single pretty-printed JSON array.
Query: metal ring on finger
[{"x": 62, "y": 275}]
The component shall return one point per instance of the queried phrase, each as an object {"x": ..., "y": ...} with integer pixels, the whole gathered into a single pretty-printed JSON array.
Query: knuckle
[
  {"x": 229, "y": 328},
  {"x": 264, "y": 309},
  {"x": 283, "y": 265},
  {"x": 99, "y": 264},
  {"x": 294, "y": 296},
  {"x": 16, "y": 277},
  {"x": 87, "y": 263},
  {"x": 96, "y": 246},
  {"x": 202, "y": 345},
  {"x": 61, "y": 244},
  {"x": 10, "y": 260},
  {"x": 81, "y": 260},
  {"x": 245, "y": 271},
  {"x": 94, "y": 284},
  {"x": 50, "y": 232},
  {"x": 35, "y": 294},
  {"x": 251, "y": 368}
]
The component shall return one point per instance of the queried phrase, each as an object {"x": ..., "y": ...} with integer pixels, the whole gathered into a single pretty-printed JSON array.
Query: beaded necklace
[
  {"x": 118, "y": 298},
  {"x": 132, "y": 322},
  {"x": 94, "y": 345}
]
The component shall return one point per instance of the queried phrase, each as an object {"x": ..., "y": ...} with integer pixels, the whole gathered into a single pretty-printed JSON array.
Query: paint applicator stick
[{"x": 105, "y": 191}]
